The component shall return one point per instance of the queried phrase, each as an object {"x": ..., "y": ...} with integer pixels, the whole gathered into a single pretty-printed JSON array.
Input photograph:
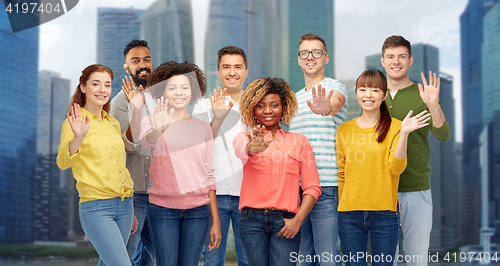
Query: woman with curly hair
[
  {"x": 182, "y": 194},
  {"x": 91, "y": 144},
  {"x": 277, "y": 164}
]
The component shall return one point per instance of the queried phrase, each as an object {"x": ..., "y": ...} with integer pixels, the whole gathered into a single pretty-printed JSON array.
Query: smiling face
[
  {"x": 370, "y": 99},
  {"x": 139, "y": 65},
  {"x": 269, "y": 111},
  {"x": 396, "y": 61},
  {"x": 312, "y": 66},
  {"x": 97, "y": 90},
  {"x": 178, "y": 92},
  {"x": 232, "y": 72}
]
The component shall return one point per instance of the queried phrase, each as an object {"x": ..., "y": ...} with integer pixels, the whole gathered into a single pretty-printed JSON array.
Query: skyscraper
[
  {"x": 314, "y": 16},
  {"x": 18, "y": 114},
  {"x": 491, "y": 64},
  {"x": 443, "y": 177},
  {"x": 115, "y": 28},
  {"x": 167, "y": 26},
  {"x": 471, "y": 41},
  {"x": 51, "y": 184},
  {"x": 254, "y": 26},
  {"x": 491, "y": 111}
]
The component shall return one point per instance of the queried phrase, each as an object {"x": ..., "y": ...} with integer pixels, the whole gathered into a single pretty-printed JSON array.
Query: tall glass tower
[
  {"x": 167, "y": 26},
  {"x": 18, "y": 113},
  {"x": 115, "y": 28},
  {"x": 314, "y": 16},
  {"x": 491, "y": 111},
  {"x": 51, "y": 183},
  {"x": 471, "y": 41},
  {"x": 252, "y": 25}
]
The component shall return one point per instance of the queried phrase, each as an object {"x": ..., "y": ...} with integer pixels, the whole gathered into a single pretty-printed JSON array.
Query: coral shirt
[{"x": 272, "y": 179}]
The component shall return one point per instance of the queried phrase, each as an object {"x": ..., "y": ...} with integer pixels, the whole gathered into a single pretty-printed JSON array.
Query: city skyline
[
  {"x": 358, "y": 32},
  {"x": 342, "y": 70}
]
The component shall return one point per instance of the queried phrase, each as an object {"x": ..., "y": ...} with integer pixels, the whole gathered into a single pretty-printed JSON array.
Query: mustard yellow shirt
[
  {"x": 99, "y": 165},
  {"x": 368, "y": 170}
]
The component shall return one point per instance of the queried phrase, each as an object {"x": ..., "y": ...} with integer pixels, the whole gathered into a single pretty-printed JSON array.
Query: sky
[{"x": 68, "y": 43}]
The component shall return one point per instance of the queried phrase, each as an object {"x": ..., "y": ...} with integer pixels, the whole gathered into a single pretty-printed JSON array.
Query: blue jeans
[
  {"x": 320, "y": 230},
  {"x": 356, "y": 226},
  {"x": 228, "y": 212},
  {"x": 178, "y": 234},
  {"x": 416, "y": 225},
  {"x": 107, "y": 223},
  {"x": 259, "y": 229},
  {"x": 140, "y": 246}
]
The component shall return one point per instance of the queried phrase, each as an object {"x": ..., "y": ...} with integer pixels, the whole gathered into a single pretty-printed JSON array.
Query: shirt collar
[{"x": 85, "y": 112}]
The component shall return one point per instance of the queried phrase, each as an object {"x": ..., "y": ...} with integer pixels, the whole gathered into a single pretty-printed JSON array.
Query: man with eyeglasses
[{"x": 322, "y": 108}]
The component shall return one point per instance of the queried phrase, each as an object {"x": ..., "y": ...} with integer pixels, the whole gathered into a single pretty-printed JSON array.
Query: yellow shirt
[
  {"x": 99, "y": 165},
  {"x": 368, "y": 170}
]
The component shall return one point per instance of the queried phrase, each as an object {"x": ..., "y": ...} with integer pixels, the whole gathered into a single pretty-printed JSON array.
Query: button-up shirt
[
  {"x": 272, "y": 179},
  {"x": 99, "y": 164}
]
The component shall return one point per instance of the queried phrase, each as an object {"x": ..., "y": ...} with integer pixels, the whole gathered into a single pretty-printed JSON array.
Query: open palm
[
  {"x": 79, "y": 126},
  {"x": 429, "y": 92},
  {"x": 410, "y": 124},
  {"x": 162, "y": 115},
  {"x": 136, "y": 100},
  {"x": 219, "y": 106},
  {"x": 321, "y": 101},
  {"x": 256, "y": 141}
]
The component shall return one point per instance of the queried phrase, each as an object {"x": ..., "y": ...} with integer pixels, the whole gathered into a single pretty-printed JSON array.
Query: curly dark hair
[
  {"x": 170, "y": 69},
  {"x": 135, "y": 43},
  {"x": 257, "y": 90}
]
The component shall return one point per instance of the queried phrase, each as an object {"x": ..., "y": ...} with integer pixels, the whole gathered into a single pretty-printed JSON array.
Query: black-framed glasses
[{"x": 317, "y": 53}]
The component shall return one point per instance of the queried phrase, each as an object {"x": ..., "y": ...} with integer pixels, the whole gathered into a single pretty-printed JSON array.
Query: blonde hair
[{"x": 257, "y": 90}]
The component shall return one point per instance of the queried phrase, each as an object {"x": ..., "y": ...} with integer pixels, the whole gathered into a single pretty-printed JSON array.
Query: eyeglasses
[{"x": 317, "y": 53}]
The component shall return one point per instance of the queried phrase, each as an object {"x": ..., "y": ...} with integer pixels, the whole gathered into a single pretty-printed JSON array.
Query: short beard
[{"x": 138, "y": 81}]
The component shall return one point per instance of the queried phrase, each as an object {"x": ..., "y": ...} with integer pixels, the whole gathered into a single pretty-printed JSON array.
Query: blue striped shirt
[{"x": 321, "y": 132}]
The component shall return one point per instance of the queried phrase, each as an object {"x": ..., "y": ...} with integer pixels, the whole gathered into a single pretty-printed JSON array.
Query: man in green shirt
[{"x": 414, "y": 185}]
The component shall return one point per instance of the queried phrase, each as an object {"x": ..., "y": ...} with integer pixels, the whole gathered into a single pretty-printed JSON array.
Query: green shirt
[{"x": 416, "y": 177}]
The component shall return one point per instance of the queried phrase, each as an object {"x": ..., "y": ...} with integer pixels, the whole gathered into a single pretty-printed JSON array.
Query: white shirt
[{"x": 228, "y": 168}]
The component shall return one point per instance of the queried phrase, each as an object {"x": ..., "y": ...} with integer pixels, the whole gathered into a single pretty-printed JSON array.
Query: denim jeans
[
  {"x": 178, "y": 234},
  {"x": 416, "y": 225},
  {"x": 228, "y": 213},
  {"x": 140, "y": 246},
  {"x": 259, "y": 229},
  {"x": 356, "y": 226},
  {"x": 107, "y": 224},
  {"x": 320, "y": 230}
]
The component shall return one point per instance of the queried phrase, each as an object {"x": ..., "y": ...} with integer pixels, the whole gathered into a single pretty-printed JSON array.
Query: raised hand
[
  {"x": 136, "y": 100},
  {"x": 321, "y": 101},
  {"x": 430, "y": 92},
  {"x": 162, "y": 114},
  {"x": 219, "y": 107},
  {"x": 256, "y": 141},
  {"x": 79, "y": 126},
  {"x": 410, "y": 124}
]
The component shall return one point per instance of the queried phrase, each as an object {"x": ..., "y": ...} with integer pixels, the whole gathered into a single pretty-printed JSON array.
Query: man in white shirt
[{"x": 222, "y": 112}]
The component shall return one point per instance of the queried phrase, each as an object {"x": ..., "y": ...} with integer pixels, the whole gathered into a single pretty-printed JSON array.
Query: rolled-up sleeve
[
  {"x": 146, "y": 126},
  {"x": 396, "y": 166},
  {"x": 309, "y": 178},
  {"x": 240, "y": 146},
  {"x": 64, "y": 160}
]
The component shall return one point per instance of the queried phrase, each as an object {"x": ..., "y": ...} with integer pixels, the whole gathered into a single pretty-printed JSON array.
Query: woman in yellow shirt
[
  {"x": 92, "y": 146},
  {"x": 371, "y": 154}
]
